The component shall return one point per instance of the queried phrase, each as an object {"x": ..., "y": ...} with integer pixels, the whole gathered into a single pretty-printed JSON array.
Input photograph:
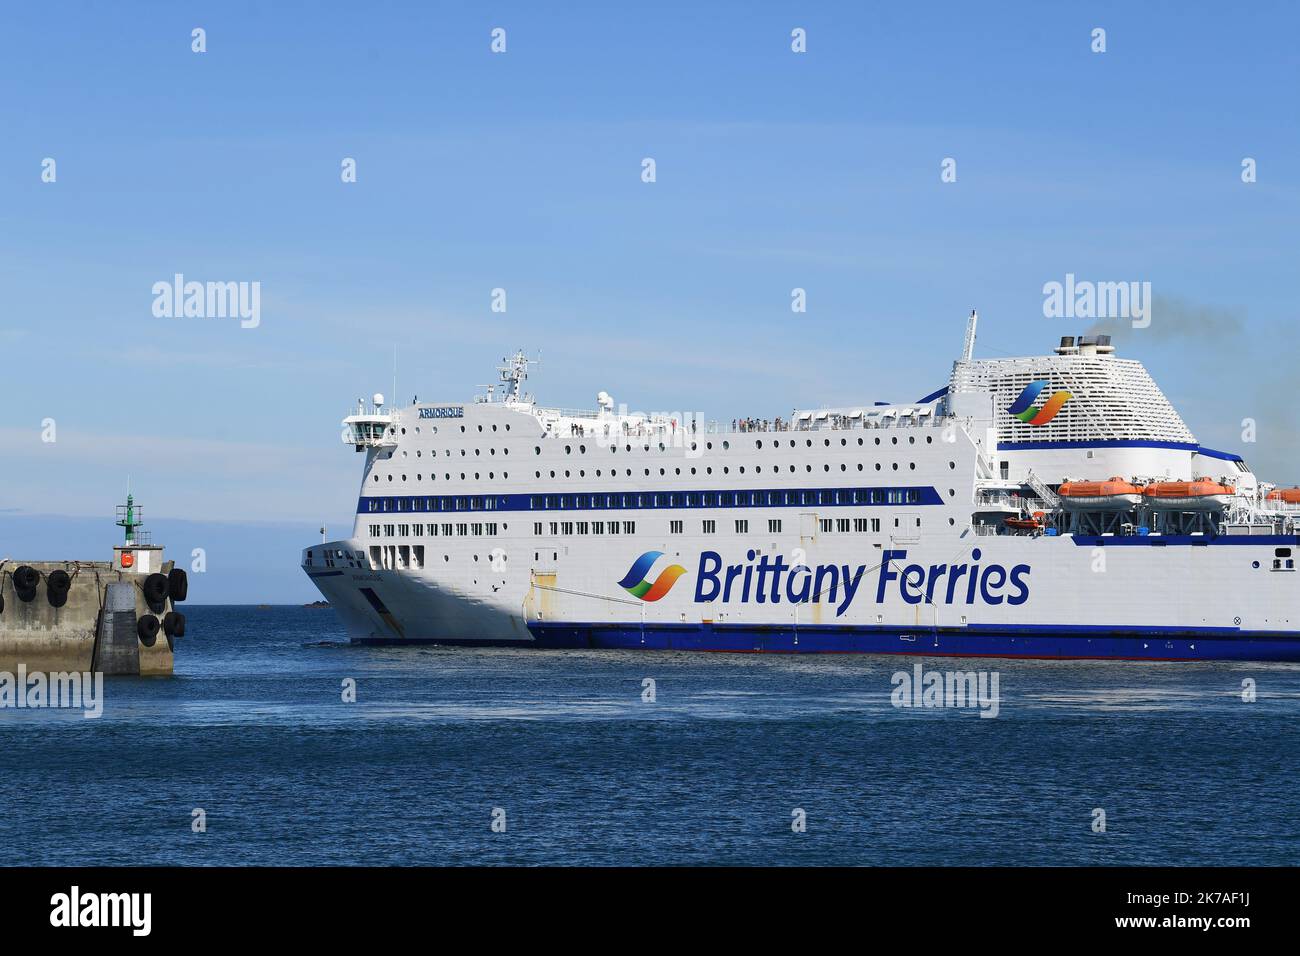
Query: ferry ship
[{"x": 1054, "y": 506}]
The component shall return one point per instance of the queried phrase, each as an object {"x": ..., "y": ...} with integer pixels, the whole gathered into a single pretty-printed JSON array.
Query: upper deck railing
[{"x": 595, "y": 424}]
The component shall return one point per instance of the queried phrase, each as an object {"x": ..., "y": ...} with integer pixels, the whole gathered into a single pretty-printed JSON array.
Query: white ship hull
[
  {"x": 1181, "y": 600},
  {"x": 500, "y": 522}
]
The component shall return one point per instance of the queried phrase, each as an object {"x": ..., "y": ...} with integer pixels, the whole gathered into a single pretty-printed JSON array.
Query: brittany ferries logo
[
  {"x": 635, "y": 582},
  {"x": 768, "y": 579},
  {"x": 1023, "y": 406}
]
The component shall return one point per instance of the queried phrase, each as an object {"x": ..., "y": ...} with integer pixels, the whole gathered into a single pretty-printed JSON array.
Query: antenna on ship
[
  {"x": 968, "y": 347},
  {"x": 514, "y": 372}
]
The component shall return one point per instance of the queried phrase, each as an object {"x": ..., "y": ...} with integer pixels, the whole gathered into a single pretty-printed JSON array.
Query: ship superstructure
[{"x": 1050, "y": 506}]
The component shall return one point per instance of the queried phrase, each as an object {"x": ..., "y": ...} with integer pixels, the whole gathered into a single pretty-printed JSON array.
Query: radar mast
[{"x": 514, "y": 372}]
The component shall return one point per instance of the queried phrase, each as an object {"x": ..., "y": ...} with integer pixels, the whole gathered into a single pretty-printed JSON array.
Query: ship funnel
[{"x": 1094, "y": 345}]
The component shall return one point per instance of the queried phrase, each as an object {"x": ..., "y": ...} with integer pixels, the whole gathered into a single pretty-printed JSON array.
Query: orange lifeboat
[
  {"x": 1202, "y": 494},
  {"x": 1113, "y": 494},
  {"x": 1033, "y": 523},
  {"x": 1290, "y": 496}
]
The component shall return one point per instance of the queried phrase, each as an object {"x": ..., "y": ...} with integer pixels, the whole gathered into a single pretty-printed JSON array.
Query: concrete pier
[
  {"x": 94, "y": 625},
  {"x": 117, "y": 646}
]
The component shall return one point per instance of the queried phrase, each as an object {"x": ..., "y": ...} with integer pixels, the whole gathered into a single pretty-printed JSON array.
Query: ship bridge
[{"x": 370, "y": 427}]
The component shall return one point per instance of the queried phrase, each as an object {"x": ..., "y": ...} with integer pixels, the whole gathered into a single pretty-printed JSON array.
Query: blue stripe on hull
[{"x": 1065, "y": 642}]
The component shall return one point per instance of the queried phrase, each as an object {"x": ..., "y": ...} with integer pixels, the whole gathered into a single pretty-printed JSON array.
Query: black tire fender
[
  {"x": 25, "y": 580},
  {"x": 155, "y": 590},
  {"x": 178, "y": 584},
  {"x": 147, "y": 629},
  {"x": 173, "y": 624},
  {"x": 57, "y": 584}
]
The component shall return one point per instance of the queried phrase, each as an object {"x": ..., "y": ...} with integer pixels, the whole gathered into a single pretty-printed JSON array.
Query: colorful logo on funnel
[
  {"x": 1023, "y": 406},
  {"x": 635, "y": 582}
]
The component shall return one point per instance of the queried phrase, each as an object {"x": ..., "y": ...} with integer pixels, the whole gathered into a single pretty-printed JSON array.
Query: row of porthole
[
  {"x": 434, "y": 429},
  {"x": 447, "y": 476},
  {"x": 613, "y": 473},
  {"x": 726, "y": 445},
  {"x": 447, "y": 557},
  {"x": 582, "y": 449},
  {"x": 380, "y": 534},
  {"x": 433, "y": 453},
  {"x": 505, "y": 527},
  {"x": 911, "y": 440},
  {"x": 758, "y": 470}
]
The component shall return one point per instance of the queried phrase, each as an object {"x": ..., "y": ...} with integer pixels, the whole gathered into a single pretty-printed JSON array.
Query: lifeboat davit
[
  {"x": 1113, "y": 494},
  {"x": 1290, "y": 496},
  {"x": 1202, "y": 494}
]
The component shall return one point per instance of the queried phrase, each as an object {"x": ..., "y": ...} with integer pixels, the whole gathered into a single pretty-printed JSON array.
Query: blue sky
[{"x": 522, "y": 171}]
